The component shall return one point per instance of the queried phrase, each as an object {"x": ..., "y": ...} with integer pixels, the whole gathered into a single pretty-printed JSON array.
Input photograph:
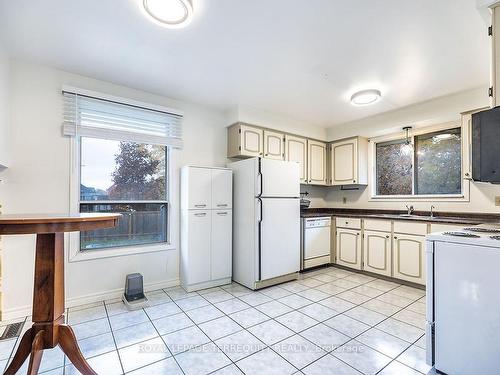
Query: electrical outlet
[
  {"x": 344, "y": 200},
  {"x": 497, "y": 201}
]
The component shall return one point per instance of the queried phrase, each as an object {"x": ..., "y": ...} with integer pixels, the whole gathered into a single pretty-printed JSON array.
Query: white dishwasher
[{"x": 316, "y": 237}]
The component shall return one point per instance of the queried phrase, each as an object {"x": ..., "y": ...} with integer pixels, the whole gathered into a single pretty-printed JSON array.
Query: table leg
[{"x": 48, "y": 328}]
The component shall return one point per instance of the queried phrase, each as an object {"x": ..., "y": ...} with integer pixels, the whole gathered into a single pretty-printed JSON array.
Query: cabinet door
[
  {"x": 409, "y": 258},
  {"x": 316, "y": 157},
  {"x": 344, "y": 163},
  {"x": 495, "y": 54},
  {"x": 273, "y": 145},
  {"x": 296, "y": 150},
  {"x": 349, "y": 248},
  {"x": 221, "y": 257},
  {"x": 377, "y": 252},
  {"x": 251, "y": 141},
  {"x": 222, "y": 188},
  {"x": 198, "y": 243},
  {"x": 199, "y": 188}
]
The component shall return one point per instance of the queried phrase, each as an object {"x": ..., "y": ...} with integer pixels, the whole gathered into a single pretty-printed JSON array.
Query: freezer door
[
  {"x": 280, "y": 237},
  {"x": 279, "y": 178}
]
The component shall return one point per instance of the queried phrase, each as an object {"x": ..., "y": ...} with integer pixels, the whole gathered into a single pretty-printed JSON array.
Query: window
[
  {"x": 129, "y": 178},
  {"x": 431, "y": 167},
  {"x": 123, "y": 153}
]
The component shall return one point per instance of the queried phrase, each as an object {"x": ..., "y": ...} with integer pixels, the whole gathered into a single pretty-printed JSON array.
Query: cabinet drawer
[
  {"x": 379, "y": 225},
  {"x": 346, "y": 222},
  {"x": 410, "y": 227}
]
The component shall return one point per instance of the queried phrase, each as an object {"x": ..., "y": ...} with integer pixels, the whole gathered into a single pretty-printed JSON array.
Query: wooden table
[{"x": 49, "y": 328}]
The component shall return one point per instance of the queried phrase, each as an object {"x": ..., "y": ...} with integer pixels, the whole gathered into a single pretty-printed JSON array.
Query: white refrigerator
[{"x": 266, "y": 221}]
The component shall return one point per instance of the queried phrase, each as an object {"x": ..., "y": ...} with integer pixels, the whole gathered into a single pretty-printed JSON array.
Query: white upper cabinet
[
  {"x": 198, "y": 182},
  {"x": 296, "y": 150},
  {"x": 245, "y": 141},
  {"x": 349, "y": 162},
  {"x": 495, "y": 55},
  {"x": 222, "y": 188},
  {"x": 316, "y": 162},
  {"x": 274, "y": 145}
]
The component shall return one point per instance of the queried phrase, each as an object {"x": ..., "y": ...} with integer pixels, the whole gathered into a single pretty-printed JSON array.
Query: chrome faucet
[
  {"x": 432, "y": 211},
  {"x": 410, "y": 209}
]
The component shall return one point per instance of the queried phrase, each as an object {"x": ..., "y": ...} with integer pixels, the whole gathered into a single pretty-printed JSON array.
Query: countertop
[{"x": 419, "y": 216}]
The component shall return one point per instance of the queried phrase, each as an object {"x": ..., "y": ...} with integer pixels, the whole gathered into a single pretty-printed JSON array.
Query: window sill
[
  {"x": 419, "y": 198},
  {"x": 81, "y": 256}
]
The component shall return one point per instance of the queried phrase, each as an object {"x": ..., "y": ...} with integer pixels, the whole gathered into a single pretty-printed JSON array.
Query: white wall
[
  {"x": 4, "y": 106},
  {"x": 38, "y": 182}
]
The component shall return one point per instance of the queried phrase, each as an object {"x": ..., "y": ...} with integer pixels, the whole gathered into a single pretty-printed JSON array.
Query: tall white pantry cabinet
[{"x": 206, "y": 227}]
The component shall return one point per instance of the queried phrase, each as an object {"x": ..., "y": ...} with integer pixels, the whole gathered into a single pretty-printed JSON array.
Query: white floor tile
[
  {"x": 346, "y": 325},
  {"x": 128, "y": 319},
  {"x": 202, "y": 360},
  {"x": 165, "y": 366},
  {"x": 249, "y": 317},
  {"x": 381, "y": 307},
  {"x": 240, "y": 345},
  {"x": 161, "y": 310},
  {"x": 134, "y": 334},
  {"x": 395, "y": 299},
  {"x": 273, "y": 309},
  {"x": 228, "y": 370},
  {"x": 296, "y": 321},
  {"x": 353, "y": 297},
  {"x": 361, "y": 357},
  {"x": 298, "y": 351},
  {"x": 97, "y": 345},
  {"x": 367, "y": 291},
  {"x": 366, "y": 316},
  {"x": 330, "y": 289},
  {"x": 185, "y": 339},
  {"x": 275, "y": 292},
  {"x": 85, "y": 315},
  {"x": 260, "y": 363},
  {"x": 329, "y": 365},
  {"x": 142, "y": 354},
  {"x": 219, "y": 327},
  {"x": 172, "y": 323},
  {"x": 383, "y": 342},
  {"x": 270, "y": 332},
  {"x": 192, "y": 303},
  {"x": 411, "y": 317},
  {"x": 318, "y": 312},
  {"x": 414, "y": 357},
  {"x": 313, "y": 294},
  {"x": 255, "y": 298},
  {"x": 295, "y": 301},
  {"x": 396, "y": 368},
  {"x": 157, "y": 297},
  {"x": 108, "y": 364},
  {"x": 337, "y": 304},
  {"x": 325, "y": 337},
  {"x": 401, "y": 330},
  {"x": 92, "y": 328},
  {"x": 218, "y": 296},
  {"x": 231, "y": 306},
  {"x": 204, "y": 314}
]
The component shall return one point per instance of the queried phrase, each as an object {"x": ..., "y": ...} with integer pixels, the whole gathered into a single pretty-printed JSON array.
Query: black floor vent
[{"x": 12, "y": 330}]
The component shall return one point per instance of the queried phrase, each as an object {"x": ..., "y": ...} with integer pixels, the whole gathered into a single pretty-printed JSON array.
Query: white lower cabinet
[
  {"x": 377, "y": 254},
  {"x": 348, "y": 249},
  {"x": 221, "y": 257},
  {"x": 198, "y": 241},
  {"x": 409, "y": 258}
]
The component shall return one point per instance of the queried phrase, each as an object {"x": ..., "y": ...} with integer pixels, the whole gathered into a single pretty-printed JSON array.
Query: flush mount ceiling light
[
  {"x": 366, "y": 97},
  {"x": 169, "y": 13}
]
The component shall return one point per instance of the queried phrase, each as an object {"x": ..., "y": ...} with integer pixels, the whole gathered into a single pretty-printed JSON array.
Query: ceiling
[{"x": 300, "y": 58}]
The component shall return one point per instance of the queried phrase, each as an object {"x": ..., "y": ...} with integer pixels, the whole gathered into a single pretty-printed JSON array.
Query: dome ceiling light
[
  {"x": 366, "y": 97},
  {"x": 169, "y": 13}
]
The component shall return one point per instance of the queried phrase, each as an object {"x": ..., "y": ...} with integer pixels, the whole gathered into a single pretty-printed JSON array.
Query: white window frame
[
  {"x": 372, "y": 165},
  {"x": 75, "y": 254}
]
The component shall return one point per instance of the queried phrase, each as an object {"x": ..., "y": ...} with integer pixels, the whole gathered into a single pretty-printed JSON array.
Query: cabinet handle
[
  {"x": 354, "y": 181},
  {"x": 357, "y": 234},
  {"x": 201, "y": 214},
  {"x": 222, "y": 213},
  {"x": 386, "y": 236},
  {"x": 266, "y": 154},
  {"x": 395, "y": 238},
  {"x": 200, "y": 205},
  {"x": 222, "y": 205}
]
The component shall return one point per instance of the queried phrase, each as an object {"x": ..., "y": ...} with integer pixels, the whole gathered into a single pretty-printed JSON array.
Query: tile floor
[{"x": 331, "y": 321}]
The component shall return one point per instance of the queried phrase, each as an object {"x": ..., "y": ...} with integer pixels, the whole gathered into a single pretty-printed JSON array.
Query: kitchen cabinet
[
  {"x": 274, "y": 145},
  {"x": 245, "y": 141},
  {"x": 349, "y": 162},
  {"x": 348, "y": 247},
  {"x": 316, "y": 162},
  {"x": 206, "y": 227},
  {"x": 296, "y": 150},
  {"x": 409, "y": 257},
  {"x": 377, "y": 255},
  {"x": 221, "y": 244}
]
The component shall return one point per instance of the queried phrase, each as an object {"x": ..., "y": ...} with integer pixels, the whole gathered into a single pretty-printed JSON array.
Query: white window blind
[{"x": 109, "y": 118}]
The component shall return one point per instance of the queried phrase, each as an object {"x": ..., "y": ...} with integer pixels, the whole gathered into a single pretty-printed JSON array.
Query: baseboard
[{"x": 20, "y": 312}]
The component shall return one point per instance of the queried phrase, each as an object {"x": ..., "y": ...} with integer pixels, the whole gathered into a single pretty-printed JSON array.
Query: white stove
[{"x": 463, "y": 301}]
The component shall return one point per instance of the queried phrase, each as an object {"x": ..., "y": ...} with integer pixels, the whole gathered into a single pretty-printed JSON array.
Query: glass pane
[
  {"x": 140, "y": 224},
  {"x": 439, "y": 163},
  {"x": 113, "y": 170},
  {"x": 394, "y": 168}
]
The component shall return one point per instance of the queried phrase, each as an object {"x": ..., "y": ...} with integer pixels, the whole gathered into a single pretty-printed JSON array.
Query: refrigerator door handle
[
  {"x": 260, "y": 236},
  {"x": 260, "y": 179}
]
